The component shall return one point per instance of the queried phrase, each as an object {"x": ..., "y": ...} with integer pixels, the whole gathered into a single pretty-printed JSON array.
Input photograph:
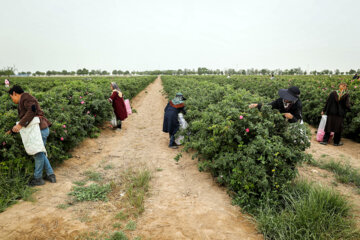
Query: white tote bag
[
  {"x": 31, "y": 137},
  {"x": 183, "y": 125}
]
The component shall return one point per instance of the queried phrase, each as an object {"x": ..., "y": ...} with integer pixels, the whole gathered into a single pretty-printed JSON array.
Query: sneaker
[
  {"x": 323, "y": 143},
  {"x": 338, "y": 144},
  {"x": 173, "y": 147},
  {"x": 36, "y": 182},
  {"x": 51, "y": 178}
]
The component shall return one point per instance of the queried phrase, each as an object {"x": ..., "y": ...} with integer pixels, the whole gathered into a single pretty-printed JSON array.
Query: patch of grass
[
  {"x": 131, "y": 226},
  {"x": 116, "y": 225},
  {"x": 14, "y": 188},
  {"x": 94, "y": 192},
  {"x": 133, "y": 110},
  {"x": 28, "y": 194},
  {"x": 324, "y": 155},
  {"x": 109, "y": 166},
  {"x": 344, "y": 172},
  {"x": 308, "y": 212},
  {"x": 122, "y": 215},
  {"x": 136, "y": 188},
  {"x": 137, "y": 238},
  {"x": 80, "y": 183},
  {"x": 159, "y": 169},
  {"x": 63, "y": 206},
  {"x": 118, "y": 236},
  {"x": 93, "y": 176}
]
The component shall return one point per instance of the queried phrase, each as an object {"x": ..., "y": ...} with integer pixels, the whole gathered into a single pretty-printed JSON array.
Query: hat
[
  {"x": 179, "y": 98},
  {"x": 290, "y": 94},
  {"x": 180, "y": 95}
]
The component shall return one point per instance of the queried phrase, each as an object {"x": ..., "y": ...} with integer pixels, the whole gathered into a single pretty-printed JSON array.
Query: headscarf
[
  {"x": 343, "y": 92},
  {"x": 116, "y": 88},
  {"x": 179, "y": 98}
]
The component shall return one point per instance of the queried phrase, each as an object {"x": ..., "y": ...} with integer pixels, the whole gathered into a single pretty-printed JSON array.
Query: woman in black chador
[{"x": 337, "y": 104}]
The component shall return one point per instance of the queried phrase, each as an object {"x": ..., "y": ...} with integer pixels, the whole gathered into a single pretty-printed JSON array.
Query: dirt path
[
  {"x": 183, "y": 203},
  {"x": 348, "y": 153}
]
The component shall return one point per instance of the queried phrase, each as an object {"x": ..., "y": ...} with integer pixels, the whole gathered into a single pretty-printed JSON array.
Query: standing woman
[
  {"x": 118, "y": 104},
  {"x": 335, "y": 108},
  {"x": 171, "y": 122}
]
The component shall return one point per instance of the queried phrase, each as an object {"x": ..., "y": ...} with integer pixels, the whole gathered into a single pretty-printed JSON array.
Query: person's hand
[
  {"x": 17, "y": 128},
  {"x": 322, "y": 113},
  {"x": 254, "y": 105},
  {"x": 288, "y": 115}
]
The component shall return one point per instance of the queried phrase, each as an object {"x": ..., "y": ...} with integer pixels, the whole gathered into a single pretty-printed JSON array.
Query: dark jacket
[
  {"x": 28, "y": 108},
  {"x": 337, "y": 107},
  {"x": 119, "y": 106},
  {"x": 294, "y": 109},
  {"x": 171, "y": 122}
]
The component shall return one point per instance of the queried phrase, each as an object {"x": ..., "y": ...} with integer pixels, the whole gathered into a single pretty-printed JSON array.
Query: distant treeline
[{"x": 9, "y": 71}]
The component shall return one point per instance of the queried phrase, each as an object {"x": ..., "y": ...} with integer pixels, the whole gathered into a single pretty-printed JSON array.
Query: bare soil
[
  {"x": 183, "y": 203},
  {"x": 348, "y": 153}
]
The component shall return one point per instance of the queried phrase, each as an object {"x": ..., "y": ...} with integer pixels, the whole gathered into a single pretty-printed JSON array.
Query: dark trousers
[
  {"x": 172, "y": 137},
  {"x": 337, "y": 137}
]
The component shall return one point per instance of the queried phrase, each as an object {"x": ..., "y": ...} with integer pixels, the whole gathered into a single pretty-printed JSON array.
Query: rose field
[{"x": 260, "y": 176}]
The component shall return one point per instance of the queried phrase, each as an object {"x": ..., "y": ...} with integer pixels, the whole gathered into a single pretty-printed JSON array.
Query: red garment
[{"x": 119, "y": 106}]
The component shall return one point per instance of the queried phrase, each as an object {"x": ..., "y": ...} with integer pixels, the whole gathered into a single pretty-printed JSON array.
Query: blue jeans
[{"x": 41, "y": 160}]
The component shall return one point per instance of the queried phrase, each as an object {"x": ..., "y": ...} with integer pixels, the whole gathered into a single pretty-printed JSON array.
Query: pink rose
[
  {"x": 355, "y": 86},
  {"x": 82, "y": 102},
  {"x": 62, "y": 139},
  {"x": 4, "y": 143},
  {"x": 95, "y": 115},
  {"x": 88, "y": 112},
  {"x": 241, "y": 117},
  {"x": 80, "y": 97},
  {"x": 247, "y": 130},
  {"x": 64, "y": 126}
]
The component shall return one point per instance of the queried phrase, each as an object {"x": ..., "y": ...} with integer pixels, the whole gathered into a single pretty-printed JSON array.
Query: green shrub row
[{"x": 75, "y": 106}]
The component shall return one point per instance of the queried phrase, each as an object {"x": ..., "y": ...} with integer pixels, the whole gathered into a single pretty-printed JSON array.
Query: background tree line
[{"x": 10, "y": 71}]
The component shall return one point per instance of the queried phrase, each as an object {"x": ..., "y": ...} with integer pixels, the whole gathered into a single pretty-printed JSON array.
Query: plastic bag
[
  {"x": 183, "y": 125},
  {"x": 31, "y": 137},
  {"x": 321, "y": 130},
  {"x": 114, "y": 120},
  {"x": 128, "y": 107}
]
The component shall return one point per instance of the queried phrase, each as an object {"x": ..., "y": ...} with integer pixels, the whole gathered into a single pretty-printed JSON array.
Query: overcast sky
[{"x": 164, "y": 34}]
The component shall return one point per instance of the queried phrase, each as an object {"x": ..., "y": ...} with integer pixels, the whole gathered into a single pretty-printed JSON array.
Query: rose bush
[
  {"x": 254, "y": 153},
  {"x": 75, "y": 106}
]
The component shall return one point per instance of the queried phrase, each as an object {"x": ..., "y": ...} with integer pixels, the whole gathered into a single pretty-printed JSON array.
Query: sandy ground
[
  {"x": 348, "y": 153},
  {"x": 183, "y": 203}
]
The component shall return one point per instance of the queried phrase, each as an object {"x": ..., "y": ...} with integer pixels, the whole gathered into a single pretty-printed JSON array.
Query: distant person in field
[
  {"x": 356, "y": 76},
  {"x": 288, "y": 104},
  {"x": 337, "y": 104},
  {"x": 28, "y": 108},
  {"x": 171, "y": 123},
  {"x": 7, "y": 83},
  {"x": 118, "y": 104},
  {"x": 272, "y": 77}
]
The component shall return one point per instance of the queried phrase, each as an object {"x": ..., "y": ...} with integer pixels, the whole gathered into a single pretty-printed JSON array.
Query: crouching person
[
  {"x": 171, "y": 122},
  {"x": 28, "y": 108}
]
